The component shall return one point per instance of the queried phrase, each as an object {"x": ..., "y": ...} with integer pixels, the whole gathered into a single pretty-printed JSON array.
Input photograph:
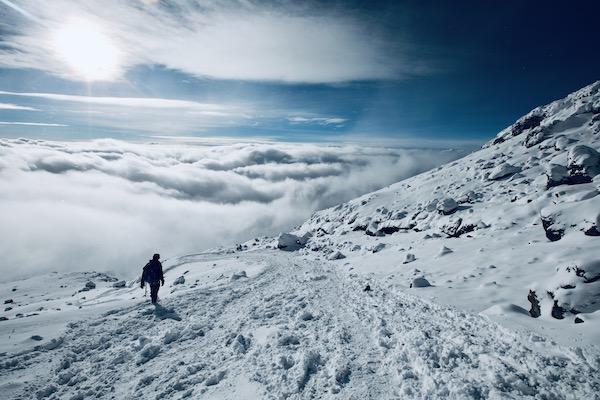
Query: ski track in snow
[{"x": 299, "y": 329}]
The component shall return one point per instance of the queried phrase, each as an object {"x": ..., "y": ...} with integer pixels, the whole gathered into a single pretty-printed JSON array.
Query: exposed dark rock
[
  {"x": 579, "y": 320},
  {"x": 535, "y": 310},
  {"x": 557, "y": 311},
  {"x": 553, "y": 233},
  {"x": 592, "y": 231},
  {"x": 525, "y": 123}
]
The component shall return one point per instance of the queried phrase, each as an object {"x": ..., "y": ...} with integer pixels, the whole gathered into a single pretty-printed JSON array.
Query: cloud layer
[
  {"x": 107, "y": 204},
  {"x": 241, "y": 40}
]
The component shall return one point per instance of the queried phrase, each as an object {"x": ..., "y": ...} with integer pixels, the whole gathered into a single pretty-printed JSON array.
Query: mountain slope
[
  {"x": 521, "y": 214},
  {"x": 397, "y": 294}
]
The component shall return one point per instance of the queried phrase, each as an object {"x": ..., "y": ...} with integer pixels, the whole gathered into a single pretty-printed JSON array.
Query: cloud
[
  {"x": 161, "y": 115},
  {"x": 337, "y": 121},
  {"x": 31, "y": 123},
  {"x": 10, "y": 106},
  {"x": 107, "y": 204},
  {"x": 139, "y": 102},
  {"x": 240, "y": 40}
]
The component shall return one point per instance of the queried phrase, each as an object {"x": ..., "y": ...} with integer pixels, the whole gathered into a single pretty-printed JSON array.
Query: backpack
[{"x": 152, "y": 272}]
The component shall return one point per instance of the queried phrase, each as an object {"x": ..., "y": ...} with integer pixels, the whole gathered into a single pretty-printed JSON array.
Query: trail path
[{"x": 300, "y": 329}]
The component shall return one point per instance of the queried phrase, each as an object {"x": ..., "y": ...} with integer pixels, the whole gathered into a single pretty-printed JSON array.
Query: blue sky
[{"x": 401, "y": 71}]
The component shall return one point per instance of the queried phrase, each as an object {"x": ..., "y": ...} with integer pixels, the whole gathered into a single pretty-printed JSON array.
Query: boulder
[
  {"x": 179, "y": 281},
  {"x": 502, "y": 171},
  {"x": 378, "y": 247},
  {"x": 238, "y": 275},
  {"x": 420, "y": 282},
  {"x": 583, "y": 163},
  {"x": 120, "y": 284},
  {"x": 290, "y": 242},
  {"x": 336, "y": 255},
  {"x": 556, "y": 175},
  {"x": 447, "y": 206}
]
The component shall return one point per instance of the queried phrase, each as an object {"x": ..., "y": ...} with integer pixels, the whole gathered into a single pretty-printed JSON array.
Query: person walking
[{"x": 153, "y": 274}]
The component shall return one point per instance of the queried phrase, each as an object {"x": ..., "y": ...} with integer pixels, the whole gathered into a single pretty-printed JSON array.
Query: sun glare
[{"x": 87, "y": 50}]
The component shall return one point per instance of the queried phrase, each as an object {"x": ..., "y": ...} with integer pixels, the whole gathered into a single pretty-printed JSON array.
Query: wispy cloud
[
  {"x": 162, "y": 116},
  {"x": 241, "y": 40},
  {"x": 31, "y": 123},
  {"x": 10, "y": 106},
  {"x": 324, "y": 121},
  {"x": 139, "y": 102}
]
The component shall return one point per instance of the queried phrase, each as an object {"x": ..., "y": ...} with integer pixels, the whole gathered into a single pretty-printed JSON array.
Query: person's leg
[{"x": 154, "y": 291}]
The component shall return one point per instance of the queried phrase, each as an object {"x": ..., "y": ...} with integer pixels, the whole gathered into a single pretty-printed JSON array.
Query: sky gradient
[{"x": 396, "y": 71}]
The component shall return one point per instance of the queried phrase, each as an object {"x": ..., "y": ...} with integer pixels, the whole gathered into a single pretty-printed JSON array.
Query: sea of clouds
[{"x": 107, "y": 205}]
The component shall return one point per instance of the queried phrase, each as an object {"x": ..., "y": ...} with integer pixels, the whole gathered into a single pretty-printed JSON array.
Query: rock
[
  {"x": 535, "y": 310},
  {"x": 3, "y": 319},
  {"x": 557, "y": 311},
  {"x": 290, "y": 242},
  {"x": 447, "y": 206},
  {"x": 89, "y": 285},
  {"x": 409, "y": 258},
  {"x": 556, "y": 175},
  {"x": 238, "y": 275},
  {"x": 367, "y": 288},
  {"x": 120, "y": 284},
  {"x": 8, "y": 301},
  {"x": 445, "y": 250},
  {"x": 579, "y": 320},
  {"x": 336, "y": 255},
  {"x": 378, "y": 247},
  {"x": 554, "y": 232},
  {"x": 502, "y": 171},
  {"x": 420, "y": 283},
  {"x": 583, "y": 163},
  {"x": 432, "y": 205},
  {"x": 37, "y": 338},
  {"x": 179, "y": 281},
  {"x": 455, "y": 228}
]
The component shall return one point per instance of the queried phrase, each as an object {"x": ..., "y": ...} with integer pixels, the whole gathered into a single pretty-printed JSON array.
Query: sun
[{"x": 89, "y": 53}]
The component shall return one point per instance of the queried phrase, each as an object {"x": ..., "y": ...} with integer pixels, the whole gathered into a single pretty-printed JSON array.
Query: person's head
[{"x": 155, "y": 257}]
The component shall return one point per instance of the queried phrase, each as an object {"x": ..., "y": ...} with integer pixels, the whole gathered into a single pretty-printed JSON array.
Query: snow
[{"x": 449, "y": 256}]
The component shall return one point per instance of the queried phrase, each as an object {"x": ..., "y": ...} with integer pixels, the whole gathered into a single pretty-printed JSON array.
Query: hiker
[{"x": 153, "y": 274}]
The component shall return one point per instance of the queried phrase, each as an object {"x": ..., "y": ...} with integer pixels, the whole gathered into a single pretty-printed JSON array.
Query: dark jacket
[{"x": 153, "y": 272}]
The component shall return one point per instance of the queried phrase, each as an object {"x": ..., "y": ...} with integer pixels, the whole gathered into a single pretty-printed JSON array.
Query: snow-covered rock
[
  {"x": 502, "y": 171},
  {"x": 556, "y": 175},
  {"x": 409, "y": 258},
  {"x": 291, "y": 242},
  {"x": 444, "y": 250},
  {"x": 336, "y": 255},
  {"x": 447, "y": 206},
  {"x": 238, "y": 275},
  {"x": 420, "y": 282},
  {"x": 583, "y": 163}
]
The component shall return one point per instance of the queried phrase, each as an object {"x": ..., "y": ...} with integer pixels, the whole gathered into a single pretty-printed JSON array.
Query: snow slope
[
  {"x": 450, "y": 257},
  {"x": 296, "y": 328},
  {"x": 486, "y": 229}
]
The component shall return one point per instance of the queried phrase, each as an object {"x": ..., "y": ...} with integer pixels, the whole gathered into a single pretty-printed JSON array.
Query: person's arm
[
  {"x": 162, "y": 276},
  {"x": 143, "y": 280}
]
